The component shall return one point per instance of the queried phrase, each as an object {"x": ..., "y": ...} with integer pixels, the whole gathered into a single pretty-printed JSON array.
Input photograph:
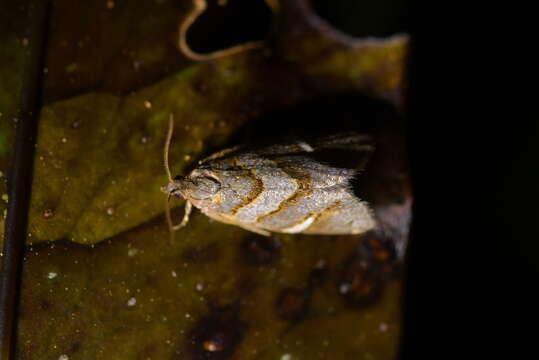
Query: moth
[{"x": 288, "y": 187}]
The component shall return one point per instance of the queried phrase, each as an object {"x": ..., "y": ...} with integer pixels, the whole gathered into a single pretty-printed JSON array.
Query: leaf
[{"x": 101, "y": 280}]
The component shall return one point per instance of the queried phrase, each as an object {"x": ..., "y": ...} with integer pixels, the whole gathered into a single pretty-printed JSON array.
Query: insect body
[{"x": 280, "y": 188}]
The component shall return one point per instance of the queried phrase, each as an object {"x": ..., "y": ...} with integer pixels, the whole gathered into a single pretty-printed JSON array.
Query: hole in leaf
[{"x": 233, "y": 23}]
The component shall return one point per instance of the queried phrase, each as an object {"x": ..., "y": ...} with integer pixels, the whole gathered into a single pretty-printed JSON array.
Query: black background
[{"x": 473, "y": 263}]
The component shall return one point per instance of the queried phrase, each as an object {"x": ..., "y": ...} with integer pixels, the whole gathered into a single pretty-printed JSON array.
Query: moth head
[
  {"x": 201, "y": 185},
  {"x": 174, "y": 188},
  {"x": 192, "y": 187}
]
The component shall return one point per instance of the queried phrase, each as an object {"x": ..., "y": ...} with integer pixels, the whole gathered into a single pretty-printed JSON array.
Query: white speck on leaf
[{"x": 344, "y": 288}]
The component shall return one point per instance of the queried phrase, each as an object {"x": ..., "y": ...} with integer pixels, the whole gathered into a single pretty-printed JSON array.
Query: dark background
[{"x": 473, "y": 258}]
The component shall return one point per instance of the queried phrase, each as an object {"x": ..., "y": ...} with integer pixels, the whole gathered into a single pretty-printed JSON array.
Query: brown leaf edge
[
  {"x": 199, "y": 6},
  {"x": 302, "y": 9}
]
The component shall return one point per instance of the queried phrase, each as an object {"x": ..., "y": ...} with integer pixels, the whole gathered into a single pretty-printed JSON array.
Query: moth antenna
[{"x": 167, "y": 146}]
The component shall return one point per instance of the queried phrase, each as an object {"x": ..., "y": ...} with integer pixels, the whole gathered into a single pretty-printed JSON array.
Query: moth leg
[{"x": 185, "y": 220}]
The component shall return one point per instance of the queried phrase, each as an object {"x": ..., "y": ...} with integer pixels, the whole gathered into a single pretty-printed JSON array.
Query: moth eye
[
  {"x": 177, "y": 195},
  {"x": 204, "y": 187}
]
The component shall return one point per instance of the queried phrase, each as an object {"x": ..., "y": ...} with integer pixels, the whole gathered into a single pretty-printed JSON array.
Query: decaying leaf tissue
[{"x": 279, "y": 188}]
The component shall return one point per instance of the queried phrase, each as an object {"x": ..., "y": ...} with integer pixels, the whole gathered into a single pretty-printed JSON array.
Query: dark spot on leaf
[
  {"x": 365, "y": 273},
  {"x": 150, "y": 279},
  {"x": 75, "y": 347},
  {"x": 246, "y": 286},
  {"x": 360, "y": 283},
  {"x": 293, "y": 304},
  {"x": 381, "y": 253},
  {"x": 44, "y": 305},
  {"x": 204, "y": 255},
  {"x": 319, "y": 274},
  {"x": 148, "y": 351},
  {"x": 260, "y": 250},
  {"x": 201, "y": 87},
  {"x": 218, "y": 335}
]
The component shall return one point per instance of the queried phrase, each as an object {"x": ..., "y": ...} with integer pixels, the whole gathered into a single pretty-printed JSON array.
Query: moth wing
[
  {"x": 350, "y": 140},
  {"x": 349, "y": 151},
  {"x": 351, "y": 216},
  {"x": 345, "y": 150},
  {"x": 299, "y": 186},
  {"x": 324, "y": 202}
]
